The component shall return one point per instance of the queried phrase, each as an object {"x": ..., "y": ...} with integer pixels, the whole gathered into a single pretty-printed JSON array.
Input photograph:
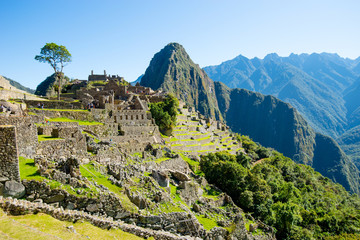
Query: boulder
[
  {"x": 93, "y": 207},
  {"x": 13, "y": 189},
  {"x": 180, "y": 176},
  {"x": 161, "y": 177}
]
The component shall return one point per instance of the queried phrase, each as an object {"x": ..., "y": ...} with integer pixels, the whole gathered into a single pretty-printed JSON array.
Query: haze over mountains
[
  {"x": 266, "y": 119},
  {"x": 324, "y": 88}
]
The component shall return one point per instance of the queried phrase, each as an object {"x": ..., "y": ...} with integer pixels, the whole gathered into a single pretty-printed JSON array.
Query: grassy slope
[{"x": 42, "y": 226}]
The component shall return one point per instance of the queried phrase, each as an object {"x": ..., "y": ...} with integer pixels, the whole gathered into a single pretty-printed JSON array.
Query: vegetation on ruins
[
  {"x": 165, "y": 113},
  {"x": 57, "y": 56},
  {"x": 293, "y": 198}
]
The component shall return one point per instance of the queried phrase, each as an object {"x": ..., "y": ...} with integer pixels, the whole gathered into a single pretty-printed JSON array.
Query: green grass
[
  {"x": 92, "y": 174},
  {"x": 159, "y": 160},
  {"x": 47, "y": 138},
  {"x": 42, "y": 227},
  {"x": 194, "y": 165},
  {"x": 28, "y": 170},
  {"x": 83, "y": 123},
  {"x": 207, "y": 223},
  {"x": 208, "y": 144}
]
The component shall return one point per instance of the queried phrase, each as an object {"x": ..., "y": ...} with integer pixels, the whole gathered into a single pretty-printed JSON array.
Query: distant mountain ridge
[
  {"x": 324, "y": 87},
  {"x": 271, "y": 122}
]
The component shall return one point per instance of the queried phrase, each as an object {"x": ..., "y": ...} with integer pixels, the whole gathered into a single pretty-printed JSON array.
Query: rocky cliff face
[{"x": 172, "y": 70}]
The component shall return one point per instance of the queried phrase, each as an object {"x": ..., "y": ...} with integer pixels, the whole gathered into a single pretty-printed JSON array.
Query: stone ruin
[{"x": 9, "y": 163}]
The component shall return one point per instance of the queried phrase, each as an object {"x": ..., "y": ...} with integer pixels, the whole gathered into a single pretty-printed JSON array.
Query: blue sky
[{"x": 122, "y": 36}]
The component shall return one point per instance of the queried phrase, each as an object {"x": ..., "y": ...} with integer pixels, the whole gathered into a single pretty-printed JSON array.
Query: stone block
[{"x": 13, "y": 189}]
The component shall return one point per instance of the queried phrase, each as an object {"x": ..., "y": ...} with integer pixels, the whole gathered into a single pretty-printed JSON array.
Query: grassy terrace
[
  {"x": 83, "y": 123},
  {"x": 47, "y": 138},
  {"x": 61, "y": 110},
  {"x": 195, "y": 140}
]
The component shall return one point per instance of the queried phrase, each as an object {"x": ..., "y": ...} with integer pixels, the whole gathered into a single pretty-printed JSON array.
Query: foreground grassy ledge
[{"x": 42, "y": 226}]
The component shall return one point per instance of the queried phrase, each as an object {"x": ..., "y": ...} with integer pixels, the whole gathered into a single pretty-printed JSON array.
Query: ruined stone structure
[
  {"x": 72, "y": 141},
  {"x": 9, "y": 159},
  {"x": 104, "y": 77},
  {"x": 26, "y": 133}
]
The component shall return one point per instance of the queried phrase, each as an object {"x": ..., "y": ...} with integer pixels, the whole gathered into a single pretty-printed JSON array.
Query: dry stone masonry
[{"x": 9, "y": 159}]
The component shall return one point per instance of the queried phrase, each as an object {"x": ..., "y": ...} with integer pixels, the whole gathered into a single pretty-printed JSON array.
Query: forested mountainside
[
  {"x": 322, "y": 87},
  {"x": 266, "y": 119}
]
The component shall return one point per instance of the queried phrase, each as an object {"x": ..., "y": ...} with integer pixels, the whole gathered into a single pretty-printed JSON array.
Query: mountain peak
[{"x": 172, "y": 70}]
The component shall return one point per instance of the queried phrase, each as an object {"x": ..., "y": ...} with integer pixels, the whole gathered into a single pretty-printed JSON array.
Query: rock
[
  {"x": 252, "y": 227},
  {"x": 195, "y": 158},
  {"x": 93, "y": 207},
  {"x": 122, "y": 215},
  {"x": 161, "y": 177},
  {"x": 166, "y": 149},
  {"x": 13, "y": 189},
  {"x": 201, "y": 129},
  {"x": 55, "y": 204},
  {"x": 31, "y": 197},
  {"x": 3, "y": 179},
  {"x": 55, "y": 198},
  {"x": 71, "y": 229},
  {"x": 1, "y": 189},
  {"x": 70, "y": 206},
  {"x": 158, "y": 153},
  {"x": 180, "y": 176},
  {"x": 196, "y": 207},
  {"x": 39, "y": 200}
]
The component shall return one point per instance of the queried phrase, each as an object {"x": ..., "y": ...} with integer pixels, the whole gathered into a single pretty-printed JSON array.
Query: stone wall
[
  {"x": 9, "y": 159},
  {"x": 137, "y": 130},
  {"x": 54, "y": 104},
  {"x": 6, "y": 94},
  {"x": 131, "y": 117},
  {"x": 74, "y": 143},
  {"x": 26, "y": 134}
]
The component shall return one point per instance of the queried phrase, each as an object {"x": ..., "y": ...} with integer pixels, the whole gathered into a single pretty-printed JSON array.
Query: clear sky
[{"x": 122, "y": 36}]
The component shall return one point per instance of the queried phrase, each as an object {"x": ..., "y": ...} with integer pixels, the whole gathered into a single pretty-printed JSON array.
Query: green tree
[
  {"x": 57, "y": 56},
  {"x": 165, "y": 113}
]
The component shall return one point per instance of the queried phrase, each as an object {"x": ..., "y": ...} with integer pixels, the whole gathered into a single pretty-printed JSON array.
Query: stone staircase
[{"x": 194, "y": 134}]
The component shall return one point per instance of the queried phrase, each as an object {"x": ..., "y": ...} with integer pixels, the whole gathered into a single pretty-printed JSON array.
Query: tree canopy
[
  {"x": 296, "y": 201},
  {"x": 57, "y": 56}
]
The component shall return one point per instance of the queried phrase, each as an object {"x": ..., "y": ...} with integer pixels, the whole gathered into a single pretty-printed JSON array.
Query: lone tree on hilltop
[{"x": 57, "y": 56}]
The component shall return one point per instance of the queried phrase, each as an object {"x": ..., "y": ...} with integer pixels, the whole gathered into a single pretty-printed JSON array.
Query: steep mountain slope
[
  {"x": 172, "y": 70},
  {"x": 313, "y": 84},
  {"x": 277, "y": 124},
  {"x": 266, "y": 119}
]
